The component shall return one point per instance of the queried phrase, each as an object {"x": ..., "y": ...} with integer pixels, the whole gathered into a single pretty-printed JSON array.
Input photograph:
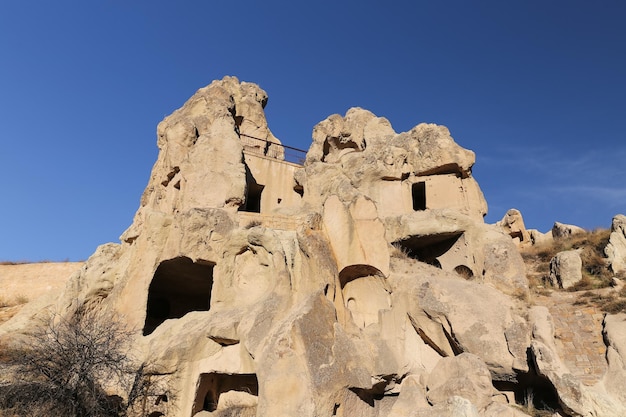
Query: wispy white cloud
[
  {"x": 611, "y": 196},
  {"x": 594, "y": 169},
  {"x": 550, "y": 184}
]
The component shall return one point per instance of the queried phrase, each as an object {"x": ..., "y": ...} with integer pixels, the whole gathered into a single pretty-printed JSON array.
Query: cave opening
[
  {"x": 254, "y": 190},
  {"x": 220, "y": 390},
  {"x": 179, "y": 286},
  {"x": 428, "y": 248},
  {"x": 418, "y": 192}
]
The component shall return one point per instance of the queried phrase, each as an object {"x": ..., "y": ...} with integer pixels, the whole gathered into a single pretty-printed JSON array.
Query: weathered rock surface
[
  {"x": 615, "y": 337},
  {"x": 566, "y": 269},
  {"x": 560, "y": 230},
  {"x": 513, "y": 224},
  {"x": 538, "y": 238},
  {"x": 616, "y": 248},
  {"x": 361, "y": 283}
]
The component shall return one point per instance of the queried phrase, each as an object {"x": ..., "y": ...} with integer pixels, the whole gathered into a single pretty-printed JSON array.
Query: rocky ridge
[{"x": 363, "y": 282}]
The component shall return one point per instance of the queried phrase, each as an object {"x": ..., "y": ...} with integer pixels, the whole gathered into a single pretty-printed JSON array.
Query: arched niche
[
  {"x": 179, "y": 286},
  {"x": 464, "y": 271},
  {"x": 364, "y": 293},
  {"x": 218, "y": 391}
]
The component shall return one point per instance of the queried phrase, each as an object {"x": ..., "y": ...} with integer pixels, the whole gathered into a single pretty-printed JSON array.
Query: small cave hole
[
  {"x": 464, "y": 271},
  {"x": 170, "y": 176}
]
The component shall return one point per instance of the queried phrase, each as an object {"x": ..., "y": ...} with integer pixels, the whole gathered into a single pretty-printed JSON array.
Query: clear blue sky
[{"x": 536, "y": 88}]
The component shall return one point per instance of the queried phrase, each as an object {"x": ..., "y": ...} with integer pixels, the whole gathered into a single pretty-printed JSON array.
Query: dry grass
[
  {"x": 236, "y": 411},
  {"x": 253, "y": 223},
  {"x": 611, "y": 303},
  {"x": 26, "y": 262},
  {"x": 10, "y": 302},
  {"x": 400, "y": 251},
  {"x": 596, "y": 273}
]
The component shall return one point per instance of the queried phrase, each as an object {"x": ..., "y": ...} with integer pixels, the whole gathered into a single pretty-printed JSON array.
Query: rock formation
[
  {"x": 565, "y": 230},
  {"x": 513, "y": 224},
  {"x": 566, "y": 269},
  {"x": 616, "y": 248},
  {"x": 361, "y": 283}
]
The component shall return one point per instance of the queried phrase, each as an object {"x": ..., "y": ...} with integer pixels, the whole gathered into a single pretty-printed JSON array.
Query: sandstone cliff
[{"x": 361, "y": 283}]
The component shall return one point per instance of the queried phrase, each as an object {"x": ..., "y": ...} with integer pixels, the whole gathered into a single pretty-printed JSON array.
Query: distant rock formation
[
  {"x": 513, "y": 224},
  {"x": 361, "y": 283},
  {"x": 566, "y": 269},
  {"x": 616, "y": 248},
  {"x": 560, "y": 230}
]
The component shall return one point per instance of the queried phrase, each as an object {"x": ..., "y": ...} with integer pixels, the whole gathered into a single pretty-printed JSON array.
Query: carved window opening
[
  {"x": 220, "y": 391},
  {"x": 418, "y": 191},
  {"x": 179, "y": 286}
]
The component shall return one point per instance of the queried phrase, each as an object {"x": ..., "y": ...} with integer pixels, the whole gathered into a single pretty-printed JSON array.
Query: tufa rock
[
  {"x": 513, "y": 224},
  {"x": 615, "y": 250},
  {"x": 538, "y": 238},
  {"x": 560, "y": 230},
  {"x": 362, "y": 282},
  {"x": 566, "y": 269}
]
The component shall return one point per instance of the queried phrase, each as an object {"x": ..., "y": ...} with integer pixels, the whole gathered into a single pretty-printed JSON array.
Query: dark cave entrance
[
  {"x": 179, "y": 286},
  {"x": 253, "y": 194},
  {"x": 428, "y": 248},
  {"x": 418, "y": 192}
]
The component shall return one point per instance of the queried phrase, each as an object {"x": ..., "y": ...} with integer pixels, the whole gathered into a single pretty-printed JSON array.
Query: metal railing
[{"x": 273, "y": 149}]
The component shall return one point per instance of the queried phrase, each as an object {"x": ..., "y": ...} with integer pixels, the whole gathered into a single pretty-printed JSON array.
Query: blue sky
[{"x": 536, "y": 88}]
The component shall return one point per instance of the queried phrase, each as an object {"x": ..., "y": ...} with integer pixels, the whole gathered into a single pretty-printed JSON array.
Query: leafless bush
[{"x": 71, "y": 367}]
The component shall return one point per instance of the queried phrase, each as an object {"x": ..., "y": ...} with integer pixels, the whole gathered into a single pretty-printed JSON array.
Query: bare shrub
[
  {"x": 615, "y": 306},
  {"x": 253, "y": 223},
  {"x": 78, "y": 366}
]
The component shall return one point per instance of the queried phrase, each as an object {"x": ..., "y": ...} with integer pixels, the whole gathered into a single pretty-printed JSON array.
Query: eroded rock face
[
  {"x": 566, "y": 269},
  {"x": 513, "y": 224},
  {"x": 616, "y": 248},
  {"x": 365, "y": 284},
  {"x": 560, "y": 230}
]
